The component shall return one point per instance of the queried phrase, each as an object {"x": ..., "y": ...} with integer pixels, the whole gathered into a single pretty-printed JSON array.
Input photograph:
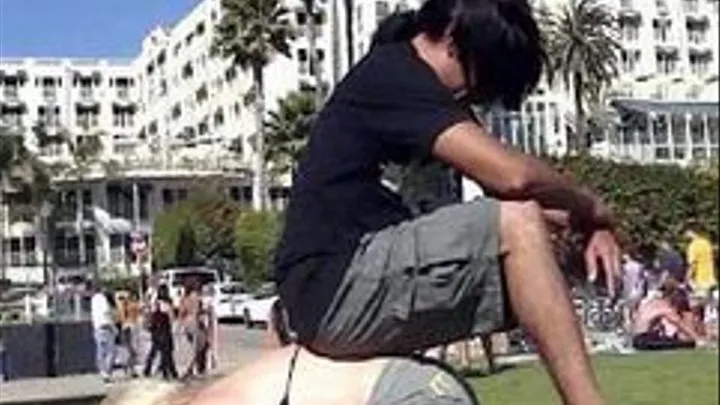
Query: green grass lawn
[{"x": 672, "y": 378}]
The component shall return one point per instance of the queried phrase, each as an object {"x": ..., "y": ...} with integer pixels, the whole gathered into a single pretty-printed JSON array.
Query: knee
[{"x": 520, "y": 219}]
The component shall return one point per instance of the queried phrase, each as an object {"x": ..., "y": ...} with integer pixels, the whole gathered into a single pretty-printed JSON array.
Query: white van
[{"x": 176, "y": 278}]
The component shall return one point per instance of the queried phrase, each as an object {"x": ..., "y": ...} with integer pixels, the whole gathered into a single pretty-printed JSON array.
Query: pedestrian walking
[
  {"x": 196, "y": 323},
  {"x": 104, "y": 331},
  {"x": 129, "y": 310},
  {"x": 161, "y": 321}
]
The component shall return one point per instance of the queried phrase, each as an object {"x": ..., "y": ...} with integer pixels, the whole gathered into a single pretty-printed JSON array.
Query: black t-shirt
[{"x": 388, "y": 109}]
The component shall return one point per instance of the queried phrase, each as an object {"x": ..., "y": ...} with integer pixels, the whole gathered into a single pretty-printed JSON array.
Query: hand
[
  {"x": 603, "y": 248},
  {"x": 556, "y": 219}
]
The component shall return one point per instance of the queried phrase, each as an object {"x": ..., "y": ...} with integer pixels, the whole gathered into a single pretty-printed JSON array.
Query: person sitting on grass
[
  {"x": 291, "y": 375},
  {"x": 662, "y": 322}
]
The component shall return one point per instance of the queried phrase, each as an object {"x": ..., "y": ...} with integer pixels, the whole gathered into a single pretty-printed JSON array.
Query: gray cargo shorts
[
  {"x": 420, "y": 382},
  {"x": 428, "y": 281}
]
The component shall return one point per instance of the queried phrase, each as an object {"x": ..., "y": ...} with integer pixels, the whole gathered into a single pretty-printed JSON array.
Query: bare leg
[
  {"x": 487, "y": 344},
  {"x": 541, "y": 301}
]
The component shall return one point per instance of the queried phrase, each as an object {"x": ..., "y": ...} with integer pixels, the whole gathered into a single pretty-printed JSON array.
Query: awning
[{"x": 668, "y": 107}]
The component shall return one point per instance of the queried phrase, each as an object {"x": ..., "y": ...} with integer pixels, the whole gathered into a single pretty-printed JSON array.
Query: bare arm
[
  {"x": 671, "y": 316},
  {"x": 513, "y": 175}
]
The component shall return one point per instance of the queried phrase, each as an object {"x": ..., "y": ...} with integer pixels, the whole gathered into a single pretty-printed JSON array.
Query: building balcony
[
  {"x": 87, "y": 98},
  {"x": 629, "y": 12},
  {"x": 49, "y": 95},
  {"x": 10, "y": 93}
]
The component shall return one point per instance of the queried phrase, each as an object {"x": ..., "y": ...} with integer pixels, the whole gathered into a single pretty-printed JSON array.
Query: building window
[
  {"x": 630, "y": 60},
  {"x": 697, "y": 129},
  {"x": 678, "y": 129},
  {"x": 219, "y": 118},
  {"x": 187, "y": 71},
  {"x": 666, "y": 62},
  {"x": 203, "y": 127},
  {"x": 119, "y": 198},
  {"x": 662, "y": 153},
  {"x": 661, "y": 29},
  {"x": 201, "y": 95},
  {"x": 66, "y": 250},
  {"x": 90, "y": 250},
  {"x": 713, "y": 129},
  {"x": 200, "y": 29},
  {"x": 700, "y": 63},
  {"x": 301, "y": 17},
  {"x": 382, "y": 10},
  {"x": 123, "y": 118},
  {"x": 690, "y": 6},
  {"x": 117, "y": 248},
  {"x": 629, "y": 31},
  {"x": 168, "y": 198},
  {"x": 22, "y": 251},
  {"x": 176, "y": 111},
  {"x": 230, "y": 74},
  {"x": 659, "y": 129},
  {"x": 303, "y": 64},
  {"x": 697, "y": 33}
]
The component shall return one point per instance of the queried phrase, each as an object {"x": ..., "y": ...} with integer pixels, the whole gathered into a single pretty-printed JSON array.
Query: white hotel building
[{"x": 168, "y": 116}]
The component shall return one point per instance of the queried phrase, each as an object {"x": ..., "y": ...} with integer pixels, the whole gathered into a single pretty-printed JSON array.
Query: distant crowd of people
[
  {"x": 672, "y": 303},
  {"x": 119, "y": 318}
]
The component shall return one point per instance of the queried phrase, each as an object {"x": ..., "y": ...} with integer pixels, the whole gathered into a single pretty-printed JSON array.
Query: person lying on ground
[
  {"x": 659, "y": 322},
  {"x": 362, "y": 277},
  {"x": 291, "y": 375}
]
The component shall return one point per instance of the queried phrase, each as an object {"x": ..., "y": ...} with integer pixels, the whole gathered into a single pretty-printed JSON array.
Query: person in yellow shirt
[{"x": 701, "y": 264}]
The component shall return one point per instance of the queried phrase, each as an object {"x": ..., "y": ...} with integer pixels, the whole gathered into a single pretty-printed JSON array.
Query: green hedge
[{"x": 652, "y": 202}]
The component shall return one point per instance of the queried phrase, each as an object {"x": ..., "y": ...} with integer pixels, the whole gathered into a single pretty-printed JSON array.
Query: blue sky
[{"x": 82, "y": 28}]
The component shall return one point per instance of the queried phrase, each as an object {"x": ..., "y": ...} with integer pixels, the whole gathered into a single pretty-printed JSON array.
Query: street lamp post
[
  {"x": 45, "y": 212},
  {"x": 51, "y": 350}
]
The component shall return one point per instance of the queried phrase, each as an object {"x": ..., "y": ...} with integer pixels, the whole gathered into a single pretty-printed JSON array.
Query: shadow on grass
[{"x": 478, "y": 373}]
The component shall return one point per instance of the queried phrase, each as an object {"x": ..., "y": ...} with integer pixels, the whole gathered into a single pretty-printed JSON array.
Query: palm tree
[
  {"x": 12, "y": 155},
  {"x": 288, "y": 129},
  {"x": 24, "y": 178},
  {"x": 583, "y": 50},
  {"x": 85, "y": 151},
  {"x": 250, "y": 33}
]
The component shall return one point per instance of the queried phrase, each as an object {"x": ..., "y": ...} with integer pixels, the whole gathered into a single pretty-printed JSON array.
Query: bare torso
[
  {"x": 650, "y": 315},
  {"x": 316, "y": 381}
]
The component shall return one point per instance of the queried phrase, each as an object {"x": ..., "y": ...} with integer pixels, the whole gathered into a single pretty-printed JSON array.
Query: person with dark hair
[
  {"x": 362, "y": 277},
  {"x": 662, "y": 322},
  {"x": 195, "y": 319},
  {"x": 161, "y": 335}
]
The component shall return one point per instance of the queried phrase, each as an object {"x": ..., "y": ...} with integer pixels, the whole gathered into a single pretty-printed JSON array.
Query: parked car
[
  {"x": 256, "y": 310},
  {"x": 226, "y": 299}
]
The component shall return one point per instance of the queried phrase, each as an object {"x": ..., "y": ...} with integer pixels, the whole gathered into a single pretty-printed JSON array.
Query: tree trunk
[
  {"x": 258, "y": 185},
  {"x": 349, "y": 32},
  {"x": 3, "y": 217},
  {"x": 315, "y": 63},
  {"x": 581, "y": 144}
]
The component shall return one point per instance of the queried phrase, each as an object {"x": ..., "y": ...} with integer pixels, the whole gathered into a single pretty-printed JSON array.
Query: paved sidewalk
[
  {"x": 78, "y": 389},
  {"x": 237, "y": 346}
]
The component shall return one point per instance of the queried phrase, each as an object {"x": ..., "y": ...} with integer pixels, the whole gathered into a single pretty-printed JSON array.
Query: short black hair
[{"x": 500, "y": 45}]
